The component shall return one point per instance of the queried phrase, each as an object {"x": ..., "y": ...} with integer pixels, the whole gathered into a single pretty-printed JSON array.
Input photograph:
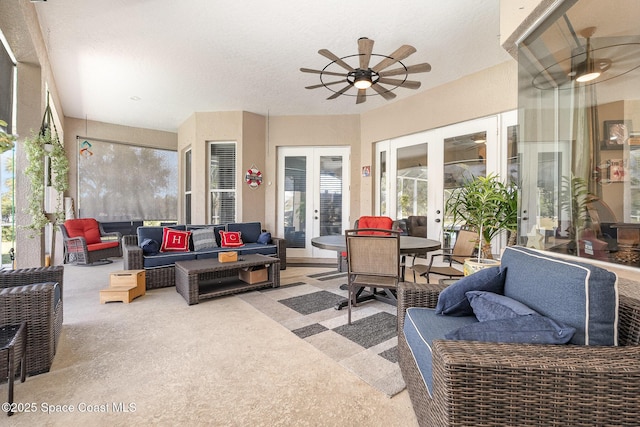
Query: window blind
[{"x": 122, "y": 182}]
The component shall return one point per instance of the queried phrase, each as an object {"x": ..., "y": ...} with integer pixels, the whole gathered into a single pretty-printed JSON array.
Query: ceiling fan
[{"x": 363, "y": 77}]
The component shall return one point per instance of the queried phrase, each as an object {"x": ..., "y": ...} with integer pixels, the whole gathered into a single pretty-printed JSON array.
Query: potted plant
[
  {"x": 45, "y": 143},
  {"x": 488, "y": 206}
]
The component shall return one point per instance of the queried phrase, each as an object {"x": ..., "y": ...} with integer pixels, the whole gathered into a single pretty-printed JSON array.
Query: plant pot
[{"x": 471, "y": 265}]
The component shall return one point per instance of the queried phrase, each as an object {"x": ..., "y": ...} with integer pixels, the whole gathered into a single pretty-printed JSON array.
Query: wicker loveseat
[
  {"x": 160, "y": 268},
  {"x": 34, "y": 295},
  {"x": 500, "y": 384}
]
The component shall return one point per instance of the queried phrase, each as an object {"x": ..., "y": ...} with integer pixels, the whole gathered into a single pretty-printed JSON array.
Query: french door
[
  {"x": 313, "y": 197},
  {"x": 415, "y": 174}
]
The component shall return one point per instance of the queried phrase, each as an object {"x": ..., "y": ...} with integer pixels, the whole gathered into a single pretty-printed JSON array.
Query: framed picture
[{"x": 616, "y": 134}]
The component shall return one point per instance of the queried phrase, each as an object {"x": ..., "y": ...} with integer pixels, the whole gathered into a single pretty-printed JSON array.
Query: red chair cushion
[
  {"x": 103, "y": 245},
  {"x": 383, "y": 222},
  {"x": 84, "y": 227}
]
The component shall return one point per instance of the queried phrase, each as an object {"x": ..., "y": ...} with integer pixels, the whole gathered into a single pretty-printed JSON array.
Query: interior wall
[
  {"x": 19, "y": 24},
  {"x": 253, "y": 153}
]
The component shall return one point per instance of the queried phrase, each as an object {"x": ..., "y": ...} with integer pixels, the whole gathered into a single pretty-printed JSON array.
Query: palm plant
[{"x": 488, "y": 206}]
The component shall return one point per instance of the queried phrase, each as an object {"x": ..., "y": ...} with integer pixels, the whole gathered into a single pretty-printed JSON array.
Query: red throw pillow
[
  {"x": 175, "y": 240},
  {"x": 231, "y": 239}
]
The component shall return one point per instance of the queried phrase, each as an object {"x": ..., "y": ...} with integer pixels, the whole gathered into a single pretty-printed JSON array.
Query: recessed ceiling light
[{"x": 135, "y": 98}]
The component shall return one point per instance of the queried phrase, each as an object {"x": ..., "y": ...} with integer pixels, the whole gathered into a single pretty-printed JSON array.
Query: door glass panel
[
  {"x": 295, "y": 196},
  {"x": 412, "y": 181},
  {"x": 464, "y": 159},
  {"x": 330, "y": 195},
  {"x": 383, "y": 183}
]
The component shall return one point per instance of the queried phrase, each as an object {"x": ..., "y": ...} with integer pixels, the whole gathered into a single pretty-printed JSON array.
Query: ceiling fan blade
[
  {"x": 409, "y": 84},
  {"x": 325, "y": 84},
  {"x": 336, "y": 59},
  {"x": 362, "y": 96},
  {"x": 328, "y": 73},
  {"x": 386, "y": 94},
  {"x": 340, "y": 92},
  {"x": 418, "y": 68},
  {"x": 401, "y": 53},
  {"x": 365, "y": 46}
]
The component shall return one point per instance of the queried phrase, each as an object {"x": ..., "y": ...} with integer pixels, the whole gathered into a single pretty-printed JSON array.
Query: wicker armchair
[
  {"x": 491, "y": 384},
  {"x": 86, "y": 242},
  {"x": 30, "y": 295}
]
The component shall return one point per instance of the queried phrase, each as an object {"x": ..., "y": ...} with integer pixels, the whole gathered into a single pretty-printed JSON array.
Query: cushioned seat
[
  {"x": 421, "y": 327},
  {"x": 85, "y": 242}
]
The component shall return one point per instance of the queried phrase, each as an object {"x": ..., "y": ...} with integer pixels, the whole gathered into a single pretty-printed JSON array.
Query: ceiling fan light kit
[{"x": 364, "y": 77}]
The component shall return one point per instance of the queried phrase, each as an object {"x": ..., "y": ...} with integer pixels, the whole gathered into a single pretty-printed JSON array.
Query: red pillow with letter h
[{"x": 175, "y": 240}]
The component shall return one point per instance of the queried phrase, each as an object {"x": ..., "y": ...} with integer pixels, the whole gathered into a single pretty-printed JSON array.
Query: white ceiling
[{"x": 152, "y": 64}]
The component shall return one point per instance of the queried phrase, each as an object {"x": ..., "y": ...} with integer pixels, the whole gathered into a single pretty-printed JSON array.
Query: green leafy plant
[
  {"x": 6, "y": 139},
  {"x": 37, "y": 148},
  {"x": 488, "y": 206}
]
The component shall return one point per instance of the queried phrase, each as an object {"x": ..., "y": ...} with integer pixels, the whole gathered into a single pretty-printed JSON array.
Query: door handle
[{"x": 437, "y": 219}]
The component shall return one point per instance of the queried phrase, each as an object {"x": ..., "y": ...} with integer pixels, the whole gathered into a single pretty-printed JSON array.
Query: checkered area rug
[{"x": 306, "y": 306}]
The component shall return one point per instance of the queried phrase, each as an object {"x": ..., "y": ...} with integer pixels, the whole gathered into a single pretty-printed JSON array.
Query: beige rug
[{"x": 367, "y": 347}]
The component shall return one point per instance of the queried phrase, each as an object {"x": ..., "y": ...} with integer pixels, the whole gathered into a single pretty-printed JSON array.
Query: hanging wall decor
[{"x": 253, "y": 177}]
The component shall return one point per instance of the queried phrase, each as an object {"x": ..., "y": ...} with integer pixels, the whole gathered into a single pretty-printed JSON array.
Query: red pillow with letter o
[
  {"x": 231, "y": 239},
  {"x": 175, "y": 240}
]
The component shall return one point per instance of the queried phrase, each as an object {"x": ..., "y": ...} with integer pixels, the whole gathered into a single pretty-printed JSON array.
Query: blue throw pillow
[
  {"x": 264, "y": 238},
  {"x": 532, "y": 329},
  {"x": 490, "y": 306},
  {"x": 452, "y": 300},
  {"x": 150, "y": 247}
]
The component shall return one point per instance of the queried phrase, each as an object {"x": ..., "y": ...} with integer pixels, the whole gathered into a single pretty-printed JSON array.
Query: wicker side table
[{"x": 13, "y": 345}]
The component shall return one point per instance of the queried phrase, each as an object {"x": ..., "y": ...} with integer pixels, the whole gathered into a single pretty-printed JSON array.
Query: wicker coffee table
[{"x": 208, "y": 278}]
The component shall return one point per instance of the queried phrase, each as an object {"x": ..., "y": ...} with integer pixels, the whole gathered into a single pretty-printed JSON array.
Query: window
[
  {"x": 222, "y": 182},
  {"x": 579, "y": 140},
  {"x": 121, "y": 182},
  {"x": 187, "y": 187}
]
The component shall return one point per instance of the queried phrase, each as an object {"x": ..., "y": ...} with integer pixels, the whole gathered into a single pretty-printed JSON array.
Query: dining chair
[
  {"x": 466, "y": 242},
  {"x": 373, "y": 261}
]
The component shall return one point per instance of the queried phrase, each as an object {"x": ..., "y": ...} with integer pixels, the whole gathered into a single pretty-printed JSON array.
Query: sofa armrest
[
  {"x": 132, "y": 256},
  {"x": 281, "y": 245},
  {"x": 551, "y": 384},
  {"x": 411, "y": 294}
]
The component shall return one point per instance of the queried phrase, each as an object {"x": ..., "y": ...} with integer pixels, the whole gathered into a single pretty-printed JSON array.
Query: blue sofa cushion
[
  {"x": 154, "y": 232},
  {"x": 529, "y": 329},
  {"x": 250, "y": 230},
  {"x": 421, "y": 327},
  {"x": 490, "y": 306},
  {"x": 257, "y": 248},
  {"x": 166, "y": 258},
  {"x": 150, "y": 247},
  {"x": 579, "y": 295},
  {"x": 452, "y": 300}
]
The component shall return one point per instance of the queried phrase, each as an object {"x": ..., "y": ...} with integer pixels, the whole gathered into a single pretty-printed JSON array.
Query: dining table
[{"x": 409, "y": 245}]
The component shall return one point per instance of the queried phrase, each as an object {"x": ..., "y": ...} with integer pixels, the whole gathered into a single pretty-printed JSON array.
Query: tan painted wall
[
  {"x": 248, "y": 130},
  {"x": 19, "y": 23}
]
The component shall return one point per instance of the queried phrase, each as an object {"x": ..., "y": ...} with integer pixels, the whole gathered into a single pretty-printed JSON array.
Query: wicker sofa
[
  {"x": 160, "y": 268},
  {"x": 498, "y": 384},
  {"x": 34, "y": 295}
]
